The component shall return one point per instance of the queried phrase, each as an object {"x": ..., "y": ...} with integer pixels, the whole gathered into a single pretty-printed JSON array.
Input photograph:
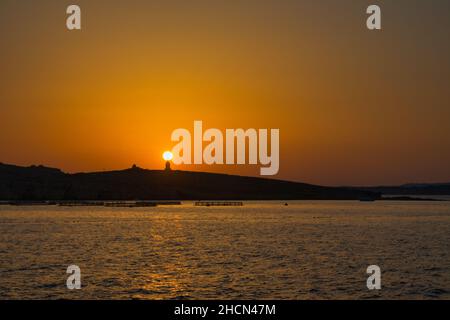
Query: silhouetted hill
[{"x": 42, "y": 183}]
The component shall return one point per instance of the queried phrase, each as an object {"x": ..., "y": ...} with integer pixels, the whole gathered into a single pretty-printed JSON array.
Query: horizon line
[{"x": 135, "y": 166}]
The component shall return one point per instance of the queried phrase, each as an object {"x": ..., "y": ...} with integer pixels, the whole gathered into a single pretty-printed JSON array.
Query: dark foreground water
[{"x": 308, "y": 250}]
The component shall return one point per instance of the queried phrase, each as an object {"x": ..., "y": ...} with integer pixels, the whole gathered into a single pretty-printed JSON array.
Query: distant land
[
  {"x": 412, "y": 189},
  {"x": 39, "y": 183}
]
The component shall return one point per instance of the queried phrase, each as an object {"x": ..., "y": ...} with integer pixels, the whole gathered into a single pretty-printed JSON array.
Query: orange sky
[{"x": 353, "y": 106}]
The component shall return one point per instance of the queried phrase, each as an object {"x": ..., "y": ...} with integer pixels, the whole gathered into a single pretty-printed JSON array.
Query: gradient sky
[{"x": 354, "y": 107}]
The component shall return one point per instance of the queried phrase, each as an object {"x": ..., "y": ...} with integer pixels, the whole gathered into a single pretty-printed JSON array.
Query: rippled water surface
[{"x": 307, "y": 250}]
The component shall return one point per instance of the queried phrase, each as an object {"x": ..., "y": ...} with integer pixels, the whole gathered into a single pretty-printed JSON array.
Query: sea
[{"x": 261, "y": 250}]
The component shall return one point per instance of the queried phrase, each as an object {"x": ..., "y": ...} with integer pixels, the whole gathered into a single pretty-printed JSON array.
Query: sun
[{"x": 167, "y": 155}]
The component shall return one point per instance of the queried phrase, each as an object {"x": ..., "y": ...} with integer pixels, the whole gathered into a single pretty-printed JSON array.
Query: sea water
[{"x": 262, "y": 250}]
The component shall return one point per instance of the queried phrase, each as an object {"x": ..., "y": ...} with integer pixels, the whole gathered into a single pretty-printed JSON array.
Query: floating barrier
[
  {"x": 122, "y": 204},
  {"x": 81, "y": 204},
  {"x": 29, "y": 203},
  {"x": 139, "y": 204},
  {"x": 218, "y": 203}
]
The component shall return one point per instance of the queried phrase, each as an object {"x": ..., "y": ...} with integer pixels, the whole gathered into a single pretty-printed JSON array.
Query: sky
[{"x": 354, "y": 107}]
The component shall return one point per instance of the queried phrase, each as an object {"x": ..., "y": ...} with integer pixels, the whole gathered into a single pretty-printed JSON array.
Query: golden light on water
[{"x": 167, "y": 155}]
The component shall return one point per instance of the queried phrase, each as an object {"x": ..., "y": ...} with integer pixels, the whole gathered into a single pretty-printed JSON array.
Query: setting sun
[{"x": 167, "y": 155}]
